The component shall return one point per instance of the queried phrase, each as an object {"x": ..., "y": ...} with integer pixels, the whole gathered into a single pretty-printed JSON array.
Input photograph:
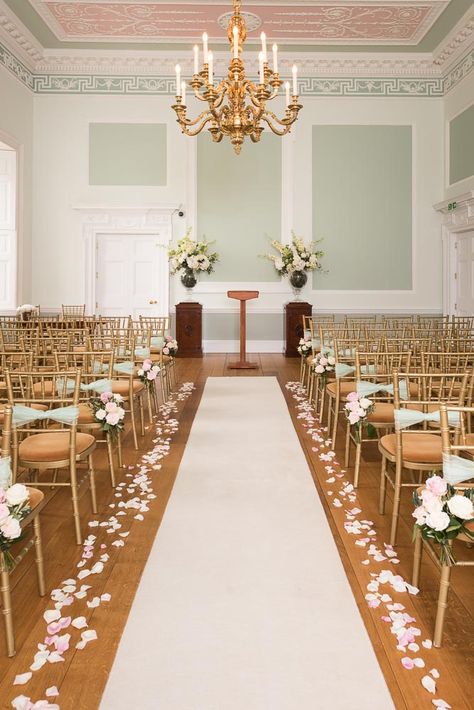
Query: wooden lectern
[{"x": 243, "y": 297}]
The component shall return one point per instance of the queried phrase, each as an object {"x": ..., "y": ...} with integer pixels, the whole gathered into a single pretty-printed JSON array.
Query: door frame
[
  {"x": 145, "y": 221},
  {"x": 18, "y": 273},
  {"x": 458, "y": 217}
]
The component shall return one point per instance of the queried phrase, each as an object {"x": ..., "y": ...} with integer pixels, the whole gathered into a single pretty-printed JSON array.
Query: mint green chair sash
[
  {"x": 142, "y": 352},
  {"x": 343, "y": 370},
  {"x": 5, "y": 473},
  {"x": 98, "y": 367},
  {"x": 158, "y": 342},
  {"x": 96, "y": 386},
  {"x": 126, "y": 368},
  {"x": 365, "y": 389},
  {"x": 369, "y": 369},
  {"x": 456, "y": 469},
  {"x": 405, "y": 418},
  {"x": 24, "y": 415}
]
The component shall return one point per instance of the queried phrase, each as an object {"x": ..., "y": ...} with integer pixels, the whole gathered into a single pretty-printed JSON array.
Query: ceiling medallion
[
  {"x": 252, "y": 21},
  {"x": 236, "y": 106}
]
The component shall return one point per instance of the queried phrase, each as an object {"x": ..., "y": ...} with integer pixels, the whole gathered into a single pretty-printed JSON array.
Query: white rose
[
  {"x": 278, "y": 264},
  {"x": 438, "y": 520},
  {"x": 100, "y": 414},
  {"x": 331, "y": 360},
  {"x": 17, "y": 494},
  {"x": 118, "y": 397},
  {"x": 364, "y": 402},
  {"x": 461, "y": 507},
  {"x": 140, "y": 373}
]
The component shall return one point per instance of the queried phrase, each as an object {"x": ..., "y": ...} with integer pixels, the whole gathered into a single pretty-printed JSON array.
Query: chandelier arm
[
  {"x": 283, "y": 122},
  {"x": 194, "y": 132},
  {"x": 183, "y": 120},
  {"x": 198, "y": 95},
  {"x": 285, "y": 128}
]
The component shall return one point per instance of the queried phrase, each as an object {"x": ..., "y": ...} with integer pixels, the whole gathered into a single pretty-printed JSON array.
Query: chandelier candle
[{"x": 236, "y": 106}]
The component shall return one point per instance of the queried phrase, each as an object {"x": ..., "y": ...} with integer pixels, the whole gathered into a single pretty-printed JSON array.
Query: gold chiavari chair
[
  {"x": 324, "y": 333},
  {"x": 159, "y": 329},
  {"x": 73, "y": 312},
  {"x": 336, "y": 391},
  {"x": 375, "y": 381},
  {"x": 458, "y": 470},
  {"x": 35, "y": 504},
  {"x": 125, "y": 381},
  {"x": 96, "y": 377},
  {"x": 47, "y": 396},
  {"x": 416, "y": 450}
]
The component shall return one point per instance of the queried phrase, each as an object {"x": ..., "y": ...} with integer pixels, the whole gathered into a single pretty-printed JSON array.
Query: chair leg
[
  {"x": 7, "y": 607},
  {"x": 92, "y": 484},
  {"x": 141, "y": 409},
  {"x": 396, "y": 502},
  {"x": 347, "y": 456},
  {"x": 110, "y": 454},
  {"x": 75, "y": 505},
  {"x": 119, "y": 449},
  {"x": 357, "y": 464},
  {"x": 383, "y": 486},
  {"x": 134, "y": 427},
  {"x": 442, "y": 604},
  {"x": 417, "y": 555},
  {"x": 39, "y": 556},
  {"x": 336, "y": 421}
]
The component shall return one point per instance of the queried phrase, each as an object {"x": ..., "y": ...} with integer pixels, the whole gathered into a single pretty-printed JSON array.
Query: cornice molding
[
  {"x": 18, "y": 38},
  {"x": 457, "y": 42}
]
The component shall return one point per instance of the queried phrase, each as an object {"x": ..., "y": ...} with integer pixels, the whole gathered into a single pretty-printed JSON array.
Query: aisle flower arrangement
[
  {"x": 295, "y": 256},
  {"x": 148, "y": 372},
  {"x": 441, "y": 514},
  {"x": 357, "y": 409},
  {"x": 305, "y": 347},
  {"x": 109, "y": 412},
  {"x": 323, "y": 364},
  {"x": 170, "y": 347},
  {"x": 25, "y": 311},
  {"x": 191, "y": 255},
  {"x": 13, "y": 508}
]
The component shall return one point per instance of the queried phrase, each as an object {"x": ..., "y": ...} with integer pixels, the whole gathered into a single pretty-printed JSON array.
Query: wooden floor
[{"x": 81, "y": 678}]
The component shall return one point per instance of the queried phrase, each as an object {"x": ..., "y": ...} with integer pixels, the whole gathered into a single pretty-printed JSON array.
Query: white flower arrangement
[
  {"x": 109, "y": 412},
  {"x": 14, "y": 506},
  {"x": 170, "y": 347},
  {"x": 441, "y": 514},
  {"x": 323, "y": 363},
  {"x": 305, "y": 347},
  {"x": 296, "y": 256},
  {"x": 26, "y": 308},
  {"x": 148, "y": 372},
  {"x": 192, "y": 255},
  {"x": 357, "y": 409}
]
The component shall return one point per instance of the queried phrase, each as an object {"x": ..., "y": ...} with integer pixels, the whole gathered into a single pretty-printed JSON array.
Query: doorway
[
  {"x": 128, "y": 272},
  {"x": 464, "y": 305},
  {"x": 8, "y": 226}
]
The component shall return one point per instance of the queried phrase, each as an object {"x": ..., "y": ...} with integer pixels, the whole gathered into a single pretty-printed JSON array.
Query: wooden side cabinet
[
  {"x": 189, "y": 329},
  {"x": 294, "y": 313}
]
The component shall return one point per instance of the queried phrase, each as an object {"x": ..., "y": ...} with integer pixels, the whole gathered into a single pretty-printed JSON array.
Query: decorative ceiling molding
[
  {"x": 17, "y": 37},
  {"x": 382, "y": 22},
  {"x": 457, "y": 42}
]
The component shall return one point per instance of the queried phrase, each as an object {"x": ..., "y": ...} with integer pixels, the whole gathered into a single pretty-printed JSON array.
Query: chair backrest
[
  {"x": 77, "y": 311},
  {"x": 6, "y": 431},
  {"x": 458, "y": 450}
]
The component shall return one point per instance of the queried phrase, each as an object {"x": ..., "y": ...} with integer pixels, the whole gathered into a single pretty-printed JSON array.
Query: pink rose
[
  {"x": 437, "y": 485},
  {"x": 352, "y": 396},
  {"x": 11, "y": 528},
  {"x": 105, "y": 396},
  {"x": 353, "y": 418},
  {"x": 147, "y": 365},
  {"x": 431, "y": 502},
  {"x": 151, "y": 375},
  {"x": 319, "y": 369},
  {"x": 110, "y": 407},
  {"x": 113, "y": 418},
  {"x": 323, "y": 361},
  {"x": 420, "y": 514},
  {"x": 166, "y": 351}
]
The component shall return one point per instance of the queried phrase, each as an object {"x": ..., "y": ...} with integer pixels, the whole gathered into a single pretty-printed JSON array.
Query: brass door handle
[{"x": 152, "y": 302}]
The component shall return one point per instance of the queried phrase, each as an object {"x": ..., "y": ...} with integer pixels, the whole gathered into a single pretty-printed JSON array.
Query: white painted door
[
  {"x": 465, "y": 274},
  {"x": 7, "y": 228},
  {"x": 128, "y": 269}
]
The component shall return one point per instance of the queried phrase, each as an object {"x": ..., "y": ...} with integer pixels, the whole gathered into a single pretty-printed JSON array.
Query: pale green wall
[
  {"x": 461, "y": 146},
  {"x": 239, "y": 203},
  {"x": 362, "y": 206},
  {"x": 127, "y": 154},
  {"x": 16, "y": 119}
]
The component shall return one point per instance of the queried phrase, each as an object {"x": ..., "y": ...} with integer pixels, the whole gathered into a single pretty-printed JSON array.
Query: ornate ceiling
[{"x": 393, "y": 22}]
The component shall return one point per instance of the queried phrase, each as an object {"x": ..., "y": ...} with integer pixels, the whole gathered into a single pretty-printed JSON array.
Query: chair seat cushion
[
  {"x": 86, "y": 415},
  {"x": 35, "y": 497},
  {"x": 345, "y": 388},
  {"x": 382, "y": 413},
  {"x": 123, "y": 387},
  {"x": 416, "y": 448},
  {"x": 52, "y": 447}
]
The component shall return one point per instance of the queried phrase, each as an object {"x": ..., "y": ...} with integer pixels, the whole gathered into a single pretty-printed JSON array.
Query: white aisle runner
[{"x": 244, "y": 603}]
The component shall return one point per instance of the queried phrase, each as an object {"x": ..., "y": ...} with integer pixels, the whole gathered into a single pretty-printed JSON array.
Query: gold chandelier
[{"x": 236, "y": 106}]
